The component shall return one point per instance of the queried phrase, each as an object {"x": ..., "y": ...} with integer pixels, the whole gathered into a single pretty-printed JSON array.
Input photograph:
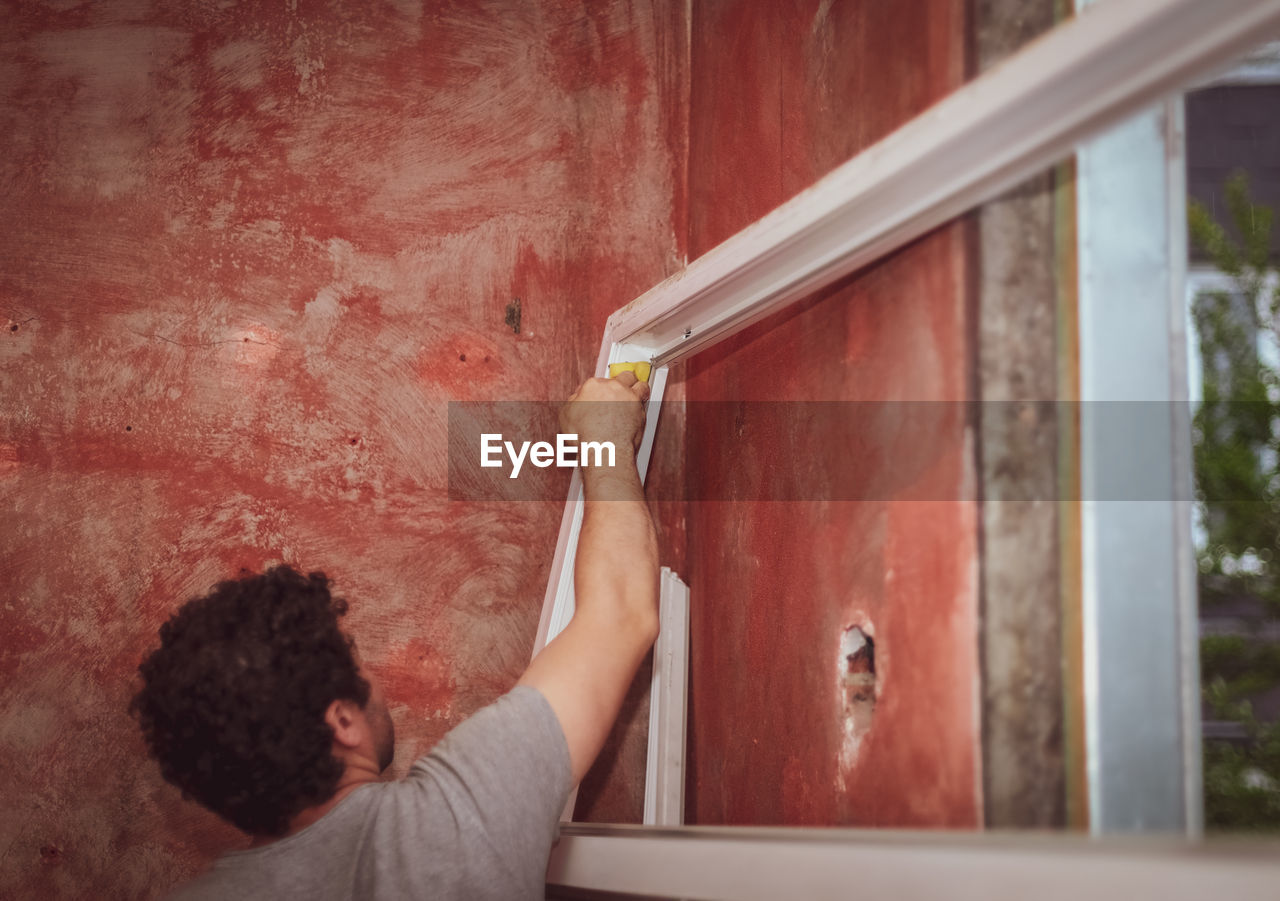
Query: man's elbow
[
  {"x": 639, "y": 621},
  {"x": 648, "y": 627}
]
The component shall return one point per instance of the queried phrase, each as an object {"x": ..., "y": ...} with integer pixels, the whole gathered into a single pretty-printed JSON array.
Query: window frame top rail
[{"x": 1022, "y": 115}]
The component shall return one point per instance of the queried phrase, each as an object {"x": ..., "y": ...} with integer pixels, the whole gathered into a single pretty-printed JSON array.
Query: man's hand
[{"x": 607, "y": 410}]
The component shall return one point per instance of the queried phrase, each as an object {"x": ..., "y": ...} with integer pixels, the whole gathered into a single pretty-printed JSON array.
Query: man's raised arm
[{"x": 585, "y": 671}]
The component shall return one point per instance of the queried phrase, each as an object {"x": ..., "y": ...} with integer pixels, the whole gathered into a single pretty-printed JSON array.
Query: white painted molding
[{"x": 668, "y": 700}]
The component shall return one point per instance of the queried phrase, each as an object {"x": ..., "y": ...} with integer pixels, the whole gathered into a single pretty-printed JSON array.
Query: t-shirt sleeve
[{"x": 506, "y": 769}]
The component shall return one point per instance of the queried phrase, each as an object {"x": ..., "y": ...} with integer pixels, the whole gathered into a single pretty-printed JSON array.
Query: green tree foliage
[
  {"x": 1238, "y": 491},
  {"x": 1237, "y": 480},
  {"x": 1240, "y": 666},
  {"x": 1241, "y": 782}
]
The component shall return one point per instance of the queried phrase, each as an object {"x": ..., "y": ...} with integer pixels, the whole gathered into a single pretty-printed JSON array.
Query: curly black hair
[{"x": 233, "y": 701}]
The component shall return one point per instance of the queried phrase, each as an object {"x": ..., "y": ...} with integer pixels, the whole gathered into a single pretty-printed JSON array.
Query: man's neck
[{"x": 352, "y": 778}]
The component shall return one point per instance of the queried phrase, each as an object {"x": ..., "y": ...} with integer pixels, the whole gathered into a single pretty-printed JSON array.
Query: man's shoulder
[
  {"x": 320, "y": 861},
  {"x": 501, "y": 775}
]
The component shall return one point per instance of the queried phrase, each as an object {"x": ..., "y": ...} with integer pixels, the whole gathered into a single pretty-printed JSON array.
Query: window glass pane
[{"x": 1233, "y": 187}]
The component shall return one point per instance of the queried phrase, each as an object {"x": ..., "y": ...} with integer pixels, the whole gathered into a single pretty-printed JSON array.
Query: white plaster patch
[
  {"x": 220, "y": 215},
  {"x": 255, "y": 346},
  {"x": 37, "y": 595},
  {"x": 352, "y": 268},
  {"x": 307, "y": 67},
  {"x": 342, "y": 254},
  {"x": 262, "y": 228},
  {"x": 240, "y": 63},
  {"x": 320, "y": 317},
  {"x": 235, "y": 135},
  {"x": 30, "y": 727},
  {"x": 243, "y": 519}
]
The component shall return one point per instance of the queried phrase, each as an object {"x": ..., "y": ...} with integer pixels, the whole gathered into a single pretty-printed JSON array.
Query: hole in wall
[
  {"x": 462, "y": 357},
  {"x": 858, "y": 651},
  {"x": 857, "y": 668},
  {"x": 128, "y": 428},
  {"x": 14, "y": 327}
]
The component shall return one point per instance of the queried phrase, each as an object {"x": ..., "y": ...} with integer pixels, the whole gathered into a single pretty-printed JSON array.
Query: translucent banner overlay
[{"x": 854, "y": 451}]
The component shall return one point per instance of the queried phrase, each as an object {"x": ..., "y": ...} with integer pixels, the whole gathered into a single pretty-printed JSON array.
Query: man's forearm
[{"x": 616, "y": 572}]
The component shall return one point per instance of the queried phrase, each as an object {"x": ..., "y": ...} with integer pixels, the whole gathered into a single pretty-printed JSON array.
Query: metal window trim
[{"x": 1142, "y": 694}]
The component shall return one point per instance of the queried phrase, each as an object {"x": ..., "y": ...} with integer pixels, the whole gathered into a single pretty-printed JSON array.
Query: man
[{"x": 256, "y": 706}]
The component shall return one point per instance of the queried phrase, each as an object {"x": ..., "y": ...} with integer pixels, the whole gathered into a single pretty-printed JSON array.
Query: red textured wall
[
  {"x": 248, "y": 252},
  {"x": 781, "y": 93}
]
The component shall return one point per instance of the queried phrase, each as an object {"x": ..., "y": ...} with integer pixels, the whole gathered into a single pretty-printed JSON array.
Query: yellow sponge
[{"x": 641, "y": 370}]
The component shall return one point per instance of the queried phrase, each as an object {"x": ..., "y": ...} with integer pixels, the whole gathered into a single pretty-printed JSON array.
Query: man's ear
[{"x": 343, "y": 718}]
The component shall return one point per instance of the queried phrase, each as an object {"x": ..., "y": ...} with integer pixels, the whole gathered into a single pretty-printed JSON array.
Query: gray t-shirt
[{"x": 474, "y": 818}]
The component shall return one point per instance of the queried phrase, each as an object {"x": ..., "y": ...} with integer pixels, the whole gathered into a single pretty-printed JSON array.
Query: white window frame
[
  {"x": 1030, "y": 111},
  {"x": 753, "y": 864}
]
